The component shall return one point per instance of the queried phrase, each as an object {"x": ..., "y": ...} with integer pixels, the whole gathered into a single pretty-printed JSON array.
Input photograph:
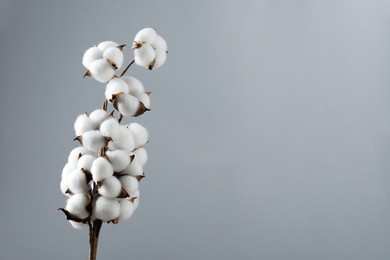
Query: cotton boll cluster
[
  {"x": 128, "y": 96},
  {"x": 102, "y": 60},
  {"x": 150, "y": 49}
]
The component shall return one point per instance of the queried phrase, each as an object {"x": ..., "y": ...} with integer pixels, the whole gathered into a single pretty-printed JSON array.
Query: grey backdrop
[{"x": 270, "y": 128}]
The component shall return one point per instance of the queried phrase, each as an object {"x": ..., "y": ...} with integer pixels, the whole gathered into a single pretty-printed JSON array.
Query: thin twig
[{"x": 128, "y": 66}]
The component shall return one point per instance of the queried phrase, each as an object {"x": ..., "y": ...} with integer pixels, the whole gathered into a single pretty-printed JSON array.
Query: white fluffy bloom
[
  {"x": 114, "y": 56},
  {"x": 134, "y": 85},
  {"x": 110, "y": 187},
  {"x": 83, "y": 124},
  {"x": 76, "y": 205},
  {"x": 98, "y": 116},
  {"x": 77, "y": 182},
  {"x": 134, "y": 169},
  {"x": 91, "y": 55},
  {"x": 127, "y": 105},
  {"x": 64, "y": 185},
  {"x": 124, "y": 141},
  {"x": 77, "y": 225},
  {"x": 129, "y": 184},
  {"x": 93, "y": 140},
  {"x": 127, "y": 210},
  {"x": 101, "y": 70},
  {"x": 68, "y": 168},
  {"x": 110, "y": 128},
  {"x": 141, "y": 155},
  {"x": 101, "y": 169},
  {"x": 119, "y": 159},
  {"x": 75, "y": 154},
  {"x": 140, "y": 133},
  {"x": 106, "y": 209},
  {"x": 150, "y": 49},
  {"x": 147, "y": 35},
  {"x": 106, "y": 44},
  {"x": 85, "y": 162},
  {"x": 144, "y": 98},
  {"x": 115, "y": 86},
  {"x": 144, "y": 55}
]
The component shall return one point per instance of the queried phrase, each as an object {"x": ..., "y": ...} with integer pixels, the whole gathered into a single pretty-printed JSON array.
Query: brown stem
[
  {"x": 128, "y": 66},
  {"x": 94, "y": 231}
]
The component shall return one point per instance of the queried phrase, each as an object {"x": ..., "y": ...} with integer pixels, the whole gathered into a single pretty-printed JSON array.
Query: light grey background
[{"x": 270, "y": 128}]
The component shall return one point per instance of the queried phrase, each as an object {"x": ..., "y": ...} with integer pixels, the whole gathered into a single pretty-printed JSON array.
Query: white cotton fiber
[
  {"x": 64, "y": 185},
  {"x": 77, "y": 225},
  {"x": 147, "y": 35},
  {"x": 101, "y": 169},
  {"x": 106, "y": 44},
  {"x": 134, "y": 168},
  {"x": 76, "y": 205},
  {"x": 91, "y": 55},
  {"x": 110, "y": 128},
  {"x": 136, "y": 201},
  {"x": 82, "y": 124},
  {"x": 115, "y": 86},
  {"x": 129, "y": 184},
  {"x": 75, "y": 153},
  {"x": 98, "y": 116},
  {"x": 106, "y": 209},
  {"x": 68, "y": 168},
  {"x": 85, "y": 162},
  {"x": 144, "y": 98},
  {"x": 110, "y": 187},
  {"x": 93, "y": 140},
  {"x": 78, "y": 182},
  {"x": 124, "y": 141},
  {"x": 101, "y": 70},
  {"x": 128, "y": 105},
  {"x": 134, "y": 85},
  {"x": 114, "y": 55},
  {"x": 127, "y": 210},
  {"x": 144, "y": 56},
  {"x": 119, "y": 159},
  {"x": 161, "y": 57},
  {"x": 160, "y": 44},
  {"x": 141, "y": 155},
  {"x": 140, "y": 133}
]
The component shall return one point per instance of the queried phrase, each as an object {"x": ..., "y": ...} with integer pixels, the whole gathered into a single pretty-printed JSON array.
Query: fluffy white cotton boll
[
  {"x": 147, "y": 35},
  {"x": 115, "y": 86},
  {"x": 106, "y": 209},
  {"x": 85, "y": 162},
  {"x": 144, "y": 56},
  {"x": 127, "y": 210},
  {"x": 68, "y": 168},
  {"x": 160, "y": 44},
  {"x": 64, "y": 185},
  {"x": 128, "y": 105},
  {"x": 93, "y": 140},
  {"x": 110, "y": 128},
  {"x": 119, "y": 159},
  {"x": 114, "y": 55},
  {"x": 144, "y": 98},
  {"x": 101, "y": 70},
  {"x": 77, "y": 225},
  {"x": 75, "y": 154},
  {"x": 76, "y": 205},
  {"x": 161, "y": 57},
  {"x": 101, "y": 169},
  {"x": 124, "y": 141},
  {"x": 135, "y": 168},
  {"x": 140, "y": 133},
  {"x": 134, "y": 85},
  {"x": 106, "y": 44},
  {"x": 83, "y": 124},
  {"x": 141, "y": 155},
  {"x": 91, "y": 55},
  {"x": 78, "y": 182},
  {"x": 111, "y": 187},
  {"x": 98, "y": 116},
  {"x": 129, "y": 184}
]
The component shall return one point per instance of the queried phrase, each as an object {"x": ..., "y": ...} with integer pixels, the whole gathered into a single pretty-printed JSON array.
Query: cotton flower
[
  {"x": 101, "y": 169},
  {"x": 146, "y": 35},
  {"x": 83, "y": 124},
  {"x": 135, "y": 168},
  {"x": 110, "y": 187},
  {"x": 144, "y": 56},
  {"x": 124, "y": 140},
  {"x": 129, "y": 184},
  {"x": 116, "y": 86},
  {"x": 135, "y": 86},
  {"x": 126, "y": 210},
  {"x": 85, "y": 162},
  {"x": 141, "y": 155},
  {"x": 110, "y": 128},
  {"x": 101, "y": 70},
  {"x": 76, "y": 205},
  {"x": 106, "y": 209},
  {"x": 144, "y": 98},
  {"x": 106, "y": 44},
  {"x": 75, "y": 154},
  {"x": 78, "y": 182},
  {"x": 140, "y": 133},
  {"x": 114, "y": 56},
  {"x": 93, "y": 140},
  {"x": 97, "y": 117},
  {"x": 91, "y": 55},
  {"x": 119, "y": 159}
]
